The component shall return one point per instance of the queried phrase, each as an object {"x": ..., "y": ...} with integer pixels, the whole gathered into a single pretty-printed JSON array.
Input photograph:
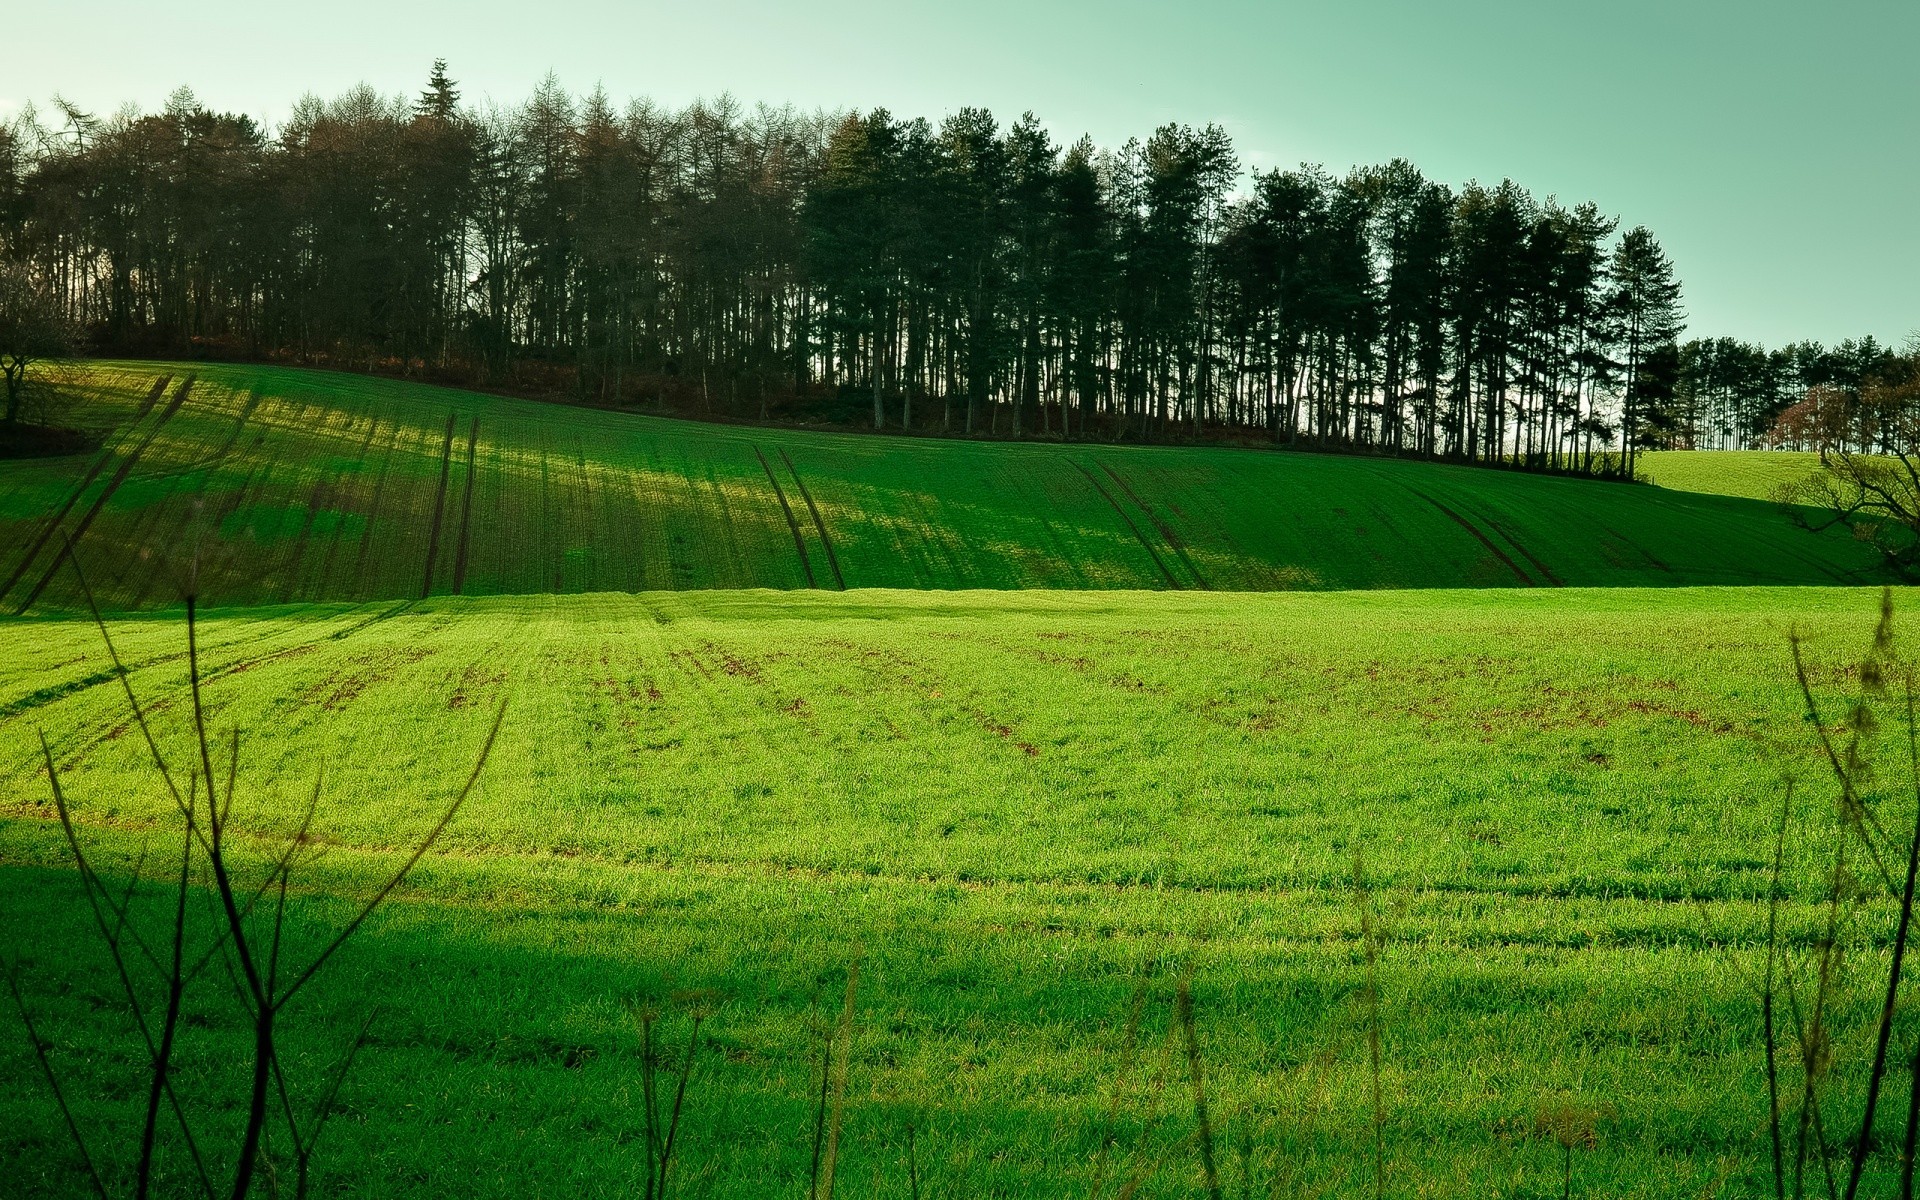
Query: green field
[
  {"x": 1006, "y": 806},
  {"x": 280, "y": 485},
  {"x": 1011, "y": 773},
  {"x": 1752, "y": 474}
]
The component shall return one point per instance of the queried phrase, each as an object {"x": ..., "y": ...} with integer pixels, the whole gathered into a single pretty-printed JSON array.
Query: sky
[{"x": 1773, "y": 148}]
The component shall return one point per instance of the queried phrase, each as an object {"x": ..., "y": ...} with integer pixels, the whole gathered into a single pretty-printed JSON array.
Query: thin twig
[
  {"x": 1864, "y": 1142},
  {"x": 419, "y": 852}
]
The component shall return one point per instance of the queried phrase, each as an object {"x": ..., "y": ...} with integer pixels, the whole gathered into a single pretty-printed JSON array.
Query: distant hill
[
  {"x": 1753, "y": 474},
  {"x": 299, "y": 485}
]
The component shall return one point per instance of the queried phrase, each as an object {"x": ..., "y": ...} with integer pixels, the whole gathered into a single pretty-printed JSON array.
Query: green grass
[
  {"x": 275, "y": 485},
  {"x": 1005, "y": 805},
  {"x": 1752, "y": 474}
]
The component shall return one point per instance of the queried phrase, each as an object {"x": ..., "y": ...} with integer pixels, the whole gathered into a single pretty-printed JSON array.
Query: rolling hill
[
  {"x": 277, "y": 485},
  {"x": 1753, "y": 474},
  {"x": 1024, "y": 813}
]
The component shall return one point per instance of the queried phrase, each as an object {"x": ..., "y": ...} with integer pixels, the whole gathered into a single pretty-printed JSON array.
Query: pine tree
[{"x": 1644, "y": 303}]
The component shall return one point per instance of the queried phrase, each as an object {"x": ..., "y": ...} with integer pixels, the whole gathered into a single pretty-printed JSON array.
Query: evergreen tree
[{"x": 1644, "y": 302}]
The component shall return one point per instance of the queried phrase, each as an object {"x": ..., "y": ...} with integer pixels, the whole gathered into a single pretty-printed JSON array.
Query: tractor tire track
[
  {"x": 152, "y": 397},
  {"x": 1135, "y": 529},
  {"x": 239, "y": 427},
  {"x": 98, "y": 465},
  {"x": 799, "y": 544},
  {"x": 106, "y": 494},
  {"x": 466, "y": 512},
  {"x": 1173, "y": 539},
  {"x": 1545, "y": 572},
  {"x": 1482, "y": 538},
  {"x": 439, "y": 508},
  {"x": 833, "y": 560},
  {"x": 1642, "y": 551}
]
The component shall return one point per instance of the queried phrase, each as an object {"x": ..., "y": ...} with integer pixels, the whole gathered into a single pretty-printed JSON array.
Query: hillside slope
[
  {"x": 280, "y": 485},
  {"x": 1754, "y": 474}
]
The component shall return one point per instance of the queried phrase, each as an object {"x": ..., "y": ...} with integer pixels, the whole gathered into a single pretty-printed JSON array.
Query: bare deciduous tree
[
  {"x": 1869, "y": 476},
  {"x": 33, "y": 331}
]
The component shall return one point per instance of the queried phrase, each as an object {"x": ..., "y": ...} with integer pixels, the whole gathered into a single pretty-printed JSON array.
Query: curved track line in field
[
  {"x": 1637, "y": 548},
  {"x": 239, "y": 426},
  {"x": 93, "y": 472},
  {"x": 1539, "y": 566},
  {"x": 833, "y": 560},
  {"x": 1166, "y": 531},
  {"x": 106, "y": 494},
  {"x": 1135, "y": 529},
  {"x": 799, "y": 544},
  {"x": 466, "y": 512},
  {"x": 1482, "y": 538},
  {"x": 439, "y": 508}
]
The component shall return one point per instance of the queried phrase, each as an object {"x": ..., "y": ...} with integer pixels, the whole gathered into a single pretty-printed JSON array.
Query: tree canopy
[{"x": 967, "y": 276}]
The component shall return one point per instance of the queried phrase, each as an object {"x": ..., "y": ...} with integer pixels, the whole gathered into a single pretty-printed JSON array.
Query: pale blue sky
[{"x": 1773, "y": 147}]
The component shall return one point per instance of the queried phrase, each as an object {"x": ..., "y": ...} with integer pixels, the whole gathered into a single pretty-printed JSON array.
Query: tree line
[
  {"x": 965, "y": 277},
  {"x": 1732, "y": 394}
]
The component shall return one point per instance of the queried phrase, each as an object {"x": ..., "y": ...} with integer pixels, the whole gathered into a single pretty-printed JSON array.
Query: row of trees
[
  {"x": 966, "y": 277},
  {"x": 1731, "y": 394}
]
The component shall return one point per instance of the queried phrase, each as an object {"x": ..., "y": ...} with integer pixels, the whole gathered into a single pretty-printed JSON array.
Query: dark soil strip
[
  {"x": 1140, "y": 537},
  {"x": 53, "y": 523},
  {"x": 1539, "y": 566},
  {"x": 466, "y": 512},
  {"x": 1467, "y": 525},
  {"x": 1166, "y": 530},
  {"x": 153, "y": 396},
  {"x": 799, "y": 544},
  {"x": 57, "y": 691},
  {"x": 106, "y": 494},
  {"x": 99, "y": 464},
  {"x": 375, "y": 619},
  {"x": 439, "y": 507},
  {"x": 833, "y": 560}
]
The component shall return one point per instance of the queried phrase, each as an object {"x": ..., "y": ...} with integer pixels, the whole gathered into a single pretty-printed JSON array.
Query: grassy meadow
[
  {"x": 1752, "y": 474},
  {"x": 276, "y": 485},
  {"x": 1010, "y": 809},
  {"x": 1041, "y": 737}
]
